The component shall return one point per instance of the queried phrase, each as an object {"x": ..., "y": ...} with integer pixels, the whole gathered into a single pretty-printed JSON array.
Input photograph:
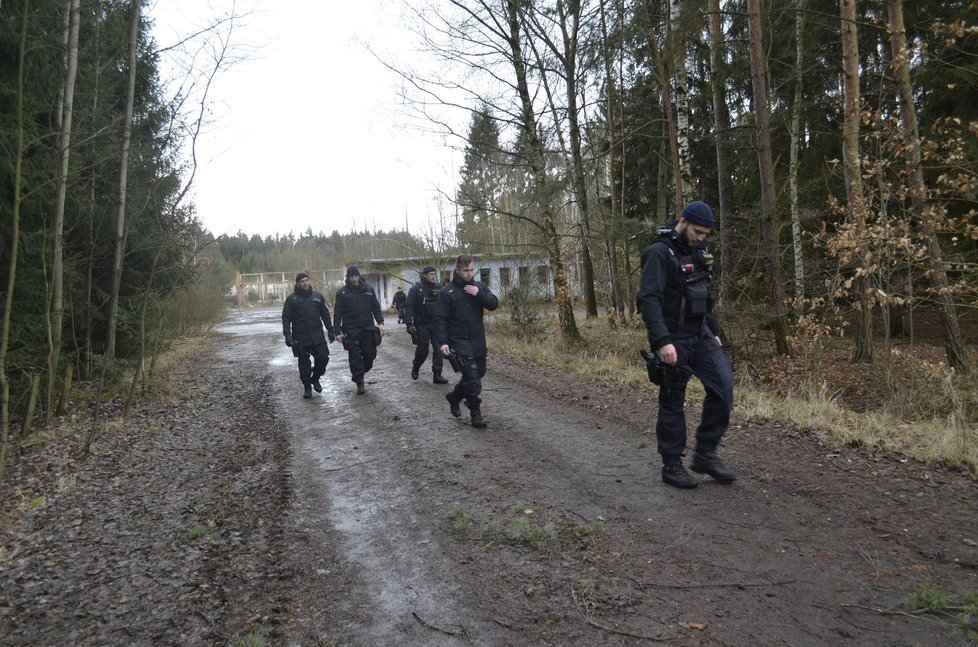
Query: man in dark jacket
[
  {"x": 676, "y": 302},
  {"x": 399, "y": 300},
  {"x": 459, "y": 327},
  {"x": 304, "y": 315},
  {"x": 354, "y": 311},
  {"x": 419, "y": 317}
]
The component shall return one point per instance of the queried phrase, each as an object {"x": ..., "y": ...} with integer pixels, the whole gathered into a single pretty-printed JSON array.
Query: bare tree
[
  {"x": 14, "y": 245},
  {"x": 721, "y": 120},
  {"x": 857, "y": 207},
  {"x": 953, "y": 342},
  {"x": 793, "y": 150},
  {"x": 765, "y": 164},
  {"x": 57, "y": 252}
]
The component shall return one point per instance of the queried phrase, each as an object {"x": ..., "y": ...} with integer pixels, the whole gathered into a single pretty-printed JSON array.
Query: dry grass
[{"x": 909, "y": 404}]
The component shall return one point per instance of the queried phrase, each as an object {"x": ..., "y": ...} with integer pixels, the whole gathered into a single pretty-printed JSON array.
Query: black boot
[
  {"x": 453, "y": 404},
  {"x": 706, "y": 461},
  {"x": 675, "y": 474},
  {"x": 414, "y": 372},
  {"x": 438, "y": 379},
  {"x": 361, "y": 389},
  {"x": 477, "y": 420},
  {"x": 317, "y": 385},
  {"x": 306, "y": 391}
]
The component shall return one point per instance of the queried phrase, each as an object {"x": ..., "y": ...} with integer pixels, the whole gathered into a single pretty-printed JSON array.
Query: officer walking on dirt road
[
  {"x": 354, "y": 311},
  {"x": 304, "y": 315},
  {"x": 676, "y": 302},
  {"x": 459, "y": 328},
  {"x": 419, "y": 317}
]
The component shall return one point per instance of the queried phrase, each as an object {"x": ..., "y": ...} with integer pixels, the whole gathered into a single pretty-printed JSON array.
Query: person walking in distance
[
  {"x": 304, "y": 315},
  {"x": 459, "y": 328},
  {"x": 676, "y": 303},
  {"x": 399, "y": 299},
  {"x": 419, "y": 318},
  {"x": 354, "y": 312}
]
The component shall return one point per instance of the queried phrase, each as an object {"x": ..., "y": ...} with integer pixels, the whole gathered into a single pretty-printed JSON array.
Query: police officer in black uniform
[
  {"x": 399, "y": 300},
  {"x": 354, "y": 311},
  {"x": 419, "y": 317},
  {"x": 459, "y": 328},
  {"x": 304, "y": 314},
  {"x": 676, "y": 302}
]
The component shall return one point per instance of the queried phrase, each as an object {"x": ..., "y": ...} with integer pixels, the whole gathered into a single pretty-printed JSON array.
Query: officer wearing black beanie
[
  {"x": 676, "y": 302},
  {"x": 355, "y": 310},
  {"x": 304, "y": 314}
]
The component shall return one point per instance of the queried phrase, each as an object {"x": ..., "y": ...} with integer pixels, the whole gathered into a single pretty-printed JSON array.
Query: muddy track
[{"x": 379, "y": 519}]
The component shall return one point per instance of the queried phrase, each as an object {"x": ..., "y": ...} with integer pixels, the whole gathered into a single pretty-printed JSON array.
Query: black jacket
[
  {"x": 675, "y": 296},
  {"x": 304, "y": 314},
  {"x": 356, "y": 308},
  {"x": 422, "y": 301},
  {"x": 399, "y": 299},
  {"x": 458, "y": 317}
]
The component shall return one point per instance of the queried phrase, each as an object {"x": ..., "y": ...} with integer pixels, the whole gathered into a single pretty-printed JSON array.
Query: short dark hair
[{"x": 463, "y": 260}]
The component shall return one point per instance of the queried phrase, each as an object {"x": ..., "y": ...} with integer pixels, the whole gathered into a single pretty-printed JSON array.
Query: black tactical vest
[{"x": 688, "y": 298}]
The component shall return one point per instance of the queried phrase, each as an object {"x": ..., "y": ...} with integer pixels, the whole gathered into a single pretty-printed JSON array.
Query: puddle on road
[{"x": 251, "y": 321}]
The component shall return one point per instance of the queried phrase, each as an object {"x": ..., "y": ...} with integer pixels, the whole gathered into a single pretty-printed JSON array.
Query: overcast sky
[{"x": 309, "y": 130}]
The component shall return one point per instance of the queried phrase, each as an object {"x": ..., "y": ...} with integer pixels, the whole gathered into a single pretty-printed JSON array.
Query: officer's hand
[
  {"x": 381, "y": 326},
  {"x": 331, "y": 336},
  {"x": 288, "y": 341},
  {"x": 412, "y": 330},
  {"x": 471, "y": 289},
  {"x": 669, "y": 355},
  {"x": 445, "y": 350},
  {"x": 339, "y": 338}
]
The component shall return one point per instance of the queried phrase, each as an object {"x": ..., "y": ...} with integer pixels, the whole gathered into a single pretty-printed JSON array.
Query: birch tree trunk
[
  {"x": 677, "y": 48},
  {"x": 863, "y": 351},
  {"x": 57, "y": 253},
  {"x": 794, "y": 146},
  {"x": 765, "y": 163},
  {"x": 957, "y": 357}
]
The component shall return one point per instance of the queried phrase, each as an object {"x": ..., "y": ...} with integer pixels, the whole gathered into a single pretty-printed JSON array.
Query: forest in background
[{"x": 836, "y": 139}]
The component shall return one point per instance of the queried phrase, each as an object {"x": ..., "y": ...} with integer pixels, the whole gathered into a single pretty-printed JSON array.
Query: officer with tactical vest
[
  {"x": 304, "y": 315},
  {"x": 354, "y": 312},
  {"x": 419, "y": 318},
  {"x": 676, "y": 302}
]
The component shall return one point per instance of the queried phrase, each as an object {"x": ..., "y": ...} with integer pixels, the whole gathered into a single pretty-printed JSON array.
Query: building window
[
  {"x": 541, "y": 275},
  {"x": 484, "y": 275},
  {"x": 504, "y": 277},
  {"x": 524, "y": 276}
]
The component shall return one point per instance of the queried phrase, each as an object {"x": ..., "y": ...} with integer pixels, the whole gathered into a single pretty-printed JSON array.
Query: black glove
[
  {"x": 288, "y": 340},
  {"x": 331, "y": 336},
  {"x": 412, "y": 330}
]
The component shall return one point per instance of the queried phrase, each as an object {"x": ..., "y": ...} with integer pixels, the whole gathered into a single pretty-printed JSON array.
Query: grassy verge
[{"x": 814, "y": 401}]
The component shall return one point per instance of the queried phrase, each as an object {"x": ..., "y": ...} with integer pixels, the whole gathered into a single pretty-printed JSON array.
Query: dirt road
[{"x": 379, "y": 519}]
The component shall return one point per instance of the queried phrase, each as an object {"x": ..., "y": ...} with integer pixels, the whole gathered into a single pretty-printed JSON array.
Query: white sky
[{"x": 309, "y": 131}]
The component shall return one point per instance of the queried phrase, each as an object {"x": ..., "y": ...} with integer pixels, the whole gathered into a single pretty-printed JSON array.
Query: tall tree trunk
[
  {"x": 616, "y": 167},
  {"x": 721, "y": 117},
  {"x": 794, "y": 146},
  {"x": 672, "y": 137},
  {"x": 953, "y": 342},
  {"x": 863, "y": 351},
  {"x": 765, "y": 163},
  {"x": 57, "y": 254},
  {"x": 120, "y": 223},
  {"x": 537, "y": 159},
  {"x": 120, "y": 220},
  {"x": 677, "y": 42},
  {"x": 14, "y": 245}
]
